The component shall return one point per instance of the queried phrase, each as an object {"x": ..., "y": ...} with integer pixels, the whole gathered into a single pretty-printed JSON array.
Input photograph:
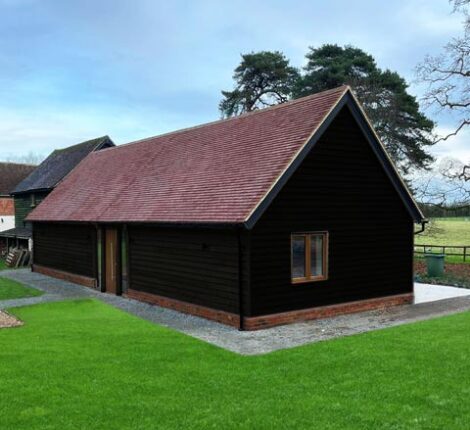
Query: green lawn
[
  {"x": 3, "y": 265},
  {"x": 447, "y": 231},
  {"x": 83, "y": 364},
  {"x": 14, "y": 290}
]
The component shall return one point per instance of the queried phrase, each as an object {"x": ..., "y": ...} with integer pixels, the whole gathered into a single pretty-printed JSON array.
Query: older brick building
[
  {"x": 31, "y": 189},
  {"x": 11, "y": 174}
]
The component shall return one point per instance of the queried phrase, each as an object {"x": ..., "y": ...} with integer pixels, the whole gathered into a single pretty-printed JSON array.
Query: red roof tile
[
  {"x": 11, "y": 174},
  {"x": 217, "y": 172}
]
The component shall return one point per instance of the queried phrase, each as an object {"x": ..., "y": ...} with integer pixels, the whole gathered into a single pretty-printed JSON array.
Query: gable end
[{"x": 348, "y": 100}]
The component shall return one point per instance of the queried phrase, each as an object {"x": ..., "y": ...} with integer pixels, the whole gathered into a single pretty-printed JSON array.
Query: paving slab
[
  {"x": 431, "y": 302},
  {"x": 430, "y": 293}
]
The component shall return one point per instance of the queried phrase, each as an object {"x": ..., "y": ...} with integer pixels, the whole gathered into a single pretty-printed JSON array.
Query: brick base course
[
  {"x": 266, "y": 321},
  {"x": 231, "y": 319},
  {"x": 66, "y": 276},
  {"x": 223, "y": 317}
]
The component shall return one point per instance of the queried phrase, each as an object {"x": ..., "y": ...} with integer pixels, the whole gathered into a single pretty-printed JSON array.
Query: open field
[
  {"x": 14, "y": 290},
  {"x": 447, "y": 231},
  {"x": 83, "y": 364}
]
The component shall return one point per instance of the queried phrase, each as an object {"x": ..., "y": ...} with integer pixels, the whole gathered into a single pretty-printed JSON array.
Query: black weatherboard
[{"x": 349, "y": 101}]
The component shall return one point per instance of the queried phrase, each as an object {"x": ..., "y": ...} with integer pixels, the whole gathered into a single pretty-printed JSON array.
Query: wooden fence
[{"x": 444, "y": 249}]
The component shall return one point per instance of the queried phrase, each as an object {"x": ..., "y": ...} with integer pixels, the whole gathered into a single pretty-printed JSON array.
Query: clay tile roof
[
  {"x": 59, "y": 163},
  {"x": 214, "y": 173},
  {"x": 11, "y": 174}
]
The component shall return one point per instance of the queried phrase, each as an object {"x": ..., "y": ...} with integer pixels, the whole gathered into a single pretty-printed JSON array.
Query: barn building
[
  {"x": 10, "y": 175},
  {"x": 32, "y": 189},
  {"x": 288, "y": 213}
]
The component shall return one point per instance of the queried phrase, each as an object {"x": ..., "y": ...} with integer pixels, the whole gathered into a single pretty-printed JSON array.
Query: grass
[
  {"x": 14, "y": 290},
  {"x": 83, "y": 364},
  {"x": 448, "y": 232},
  {"x": 3, "y": 264}
]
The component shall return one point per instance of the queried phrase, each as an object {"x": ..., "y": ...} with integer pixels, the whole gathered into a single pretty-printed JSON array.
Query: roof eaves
[{"x": 31, "y": 190}]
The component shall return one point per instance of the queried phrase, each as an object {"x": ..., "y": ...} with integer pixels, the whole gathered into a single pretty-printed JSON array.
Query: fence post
[{"x": 464, "y": 253}]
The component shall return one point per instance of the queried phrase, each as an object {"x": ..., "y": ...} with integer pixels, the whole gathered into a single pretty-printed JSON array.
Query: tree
[
  {"x": 29, "y": 158},
  {"x": 446, "y": 186},
  {"x": 395, "y": 114},
  {"x": 266, "y": 78},
  {"x": 447, "y": 76},
  {"x": 262, "y": 79}
]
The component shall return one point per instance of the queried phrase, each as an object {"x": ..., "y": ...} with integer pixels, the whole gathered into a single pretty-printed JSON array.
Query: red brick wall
[
  {"x": 266, "y": 321},
  {"x": 185, "y": 307},
  {"x": 66, "y": 276},
  {"x": 7, "y": 206}
]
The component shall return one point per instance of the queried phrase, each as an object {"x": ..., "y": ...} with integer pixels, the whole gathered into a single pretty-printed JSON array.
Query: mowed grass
[
  {"x": 447, "y": 232},
  {"x": 3, "y": 264},
  {"x": 83, "y": 364},
  {"x": 14, "y": 290}
]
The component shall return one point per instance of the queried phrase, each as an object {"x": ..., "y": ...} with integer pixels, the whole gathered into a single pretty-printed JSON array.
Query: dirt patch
[
  {"x": 6, "y": 320},
  {"x": 455, "y": 274}
]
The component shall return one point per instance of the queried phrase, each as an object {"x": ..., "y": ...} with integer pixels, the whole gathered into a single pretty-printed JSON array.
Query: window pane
[
  {"x": 298, "y": 257},
  {"x": 316, "y": 252}
]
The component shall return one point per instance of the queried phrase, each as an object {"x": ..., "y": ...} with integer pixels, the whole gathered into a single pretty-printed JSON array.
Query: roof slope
[
  {"x": 221, "y": 172},
  {"x": 11, "y": 174},
  {"x": 59, "y": 163}
]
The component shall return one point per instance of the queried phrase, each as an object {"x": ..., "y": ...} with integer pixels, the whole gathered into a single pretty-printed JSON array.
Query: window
[{"x": 309, "y": 257}]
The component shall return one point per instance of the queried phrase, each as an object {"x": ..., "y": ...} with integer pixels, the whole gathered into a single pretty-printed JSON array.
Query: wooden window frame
[{"x": 308, "y": 257}]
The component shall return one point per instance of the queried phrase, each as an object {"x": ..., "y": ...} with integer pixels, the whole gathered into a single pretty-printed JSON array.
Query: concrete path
[
  {"x": 425, "y": 293},
  {"x": 432, "y": 302}
]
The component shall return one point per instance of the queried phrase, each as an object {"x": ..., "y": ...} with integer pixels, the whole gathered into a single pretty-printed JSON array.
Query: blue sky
[{"x": 74, "y": 70}]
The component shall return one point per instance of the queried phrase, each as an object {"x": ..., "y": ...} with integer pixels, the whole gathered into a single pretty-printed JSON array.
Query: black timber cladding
[
  {"x": 24, "y": 204},
  {"x": 387, "y": 165},
  {"x": 66, "y": 247},
  {"x": 341, "y": 188},
  {"x": 194, "y": 265}
]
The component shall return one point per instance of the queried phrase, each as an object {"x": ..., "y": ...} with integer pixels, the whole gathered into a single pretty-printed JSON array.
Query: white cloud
[
  {"x": 41, "y": 132},
  {"x": 455, "y": 147},
  {"x": 434, "y": 18}
]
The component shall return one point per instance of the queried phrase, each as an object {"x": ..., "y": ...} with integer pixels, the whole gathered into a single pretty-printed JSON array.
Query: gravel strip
[
  {"x": 251, "y": 342},
  {"x": 6, "y": 320}
]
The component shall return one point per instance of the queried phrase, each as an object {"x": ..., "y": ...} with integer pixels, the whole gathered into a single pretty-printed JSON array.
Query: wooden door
[{"x": 111, "y": 256}]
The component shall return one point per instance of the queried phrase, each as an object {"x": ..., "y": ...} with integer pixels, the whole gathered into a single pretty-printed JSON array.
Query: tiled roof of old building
[
  {"x": 11, "y": 174},
  {"x": 59, "y": 163}
]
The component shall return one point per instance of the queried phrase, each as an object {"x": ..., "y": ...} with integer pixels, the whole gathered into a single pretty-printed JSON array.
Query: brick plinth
[
  {"x": 185, "y": 307},
  {"x": 266, "y": 321},
  {"x": 66, "y": 276}
]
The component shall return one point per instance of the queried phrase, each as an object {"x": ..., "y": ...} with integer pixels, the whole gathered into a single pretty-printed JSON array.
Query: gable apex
[{"x": 348, "y": 100}]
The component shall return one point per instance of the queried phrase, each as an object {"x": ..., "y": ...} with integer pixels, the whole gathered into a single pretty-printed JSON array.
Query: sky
[{"x": 74, "y": 70}]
